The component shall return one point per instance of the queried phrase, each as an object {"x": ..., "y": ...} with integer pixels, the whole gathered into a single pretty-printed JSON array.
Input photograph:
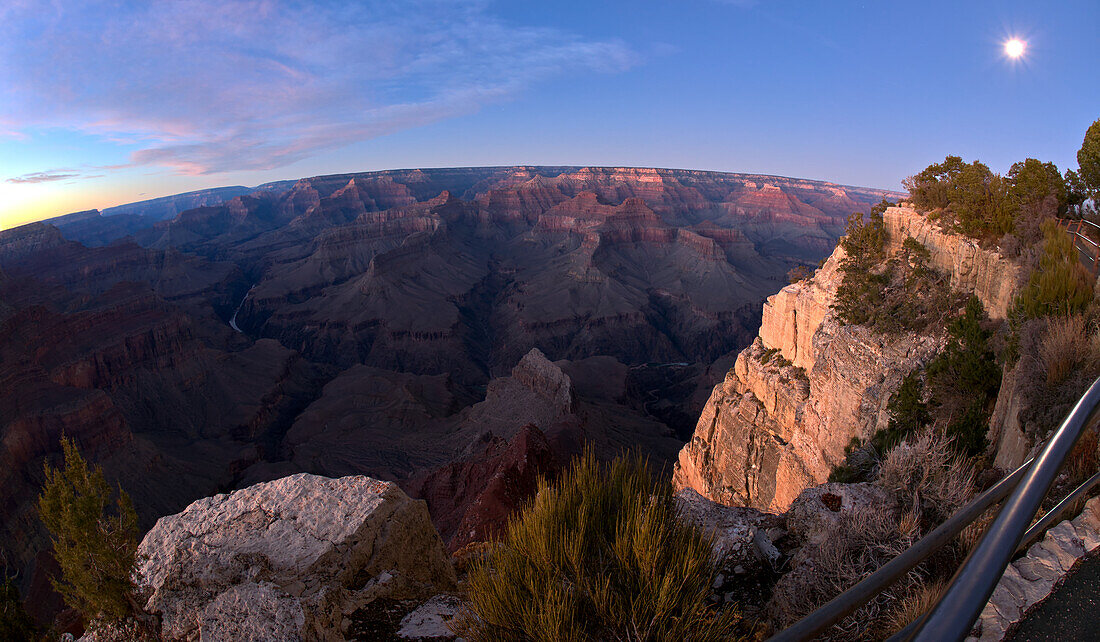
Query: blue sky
[{"x": 107, "y": 102}]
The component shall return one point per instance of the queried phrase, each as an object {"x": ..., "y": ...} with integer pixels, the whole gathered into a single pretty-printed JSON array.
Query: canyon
[{"x": 456, "y": 331}]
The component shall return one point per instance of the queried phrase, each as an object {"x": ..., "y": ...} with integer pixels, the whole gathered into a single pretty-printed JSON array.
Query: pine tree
[{"x": 94, "y": 539}]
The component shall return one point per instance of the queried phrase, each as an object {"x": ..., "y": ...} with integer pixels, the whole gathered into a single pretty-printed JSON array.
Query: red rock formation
[{"x": 472, "y": 499}]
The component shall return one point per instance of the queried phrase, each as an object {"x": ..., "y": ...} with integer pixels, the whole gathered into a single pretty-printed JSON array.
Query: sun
[{"x": 1014, "y": 48}]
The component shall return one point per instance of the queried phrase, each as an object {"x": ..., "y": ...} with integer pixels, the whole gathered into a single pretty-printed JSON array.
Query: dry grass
[
  {"x": 928, "y": 482},
  {"x": 969, "y": 537},
  {"x": 928, "y": 477},
  {"x": 1084, "y": 459},
  {"x": 1064, "y": 345},
  {"x": 912, "y": 606},
  {"x": 852, "y": 548}
]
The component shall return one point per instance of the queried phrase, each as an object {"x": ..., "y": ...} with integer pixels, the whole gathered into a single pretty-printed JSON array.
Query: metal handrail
[
  {"x": 848, "y": 601},
  {"x": 1055, "y": 513},
  {"x": 966, "y": 596}
]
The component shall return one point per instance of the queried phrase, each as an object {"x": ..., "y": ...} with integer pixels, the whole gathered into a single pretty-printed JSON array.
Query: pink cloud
[{"x": 206, "y": 86}]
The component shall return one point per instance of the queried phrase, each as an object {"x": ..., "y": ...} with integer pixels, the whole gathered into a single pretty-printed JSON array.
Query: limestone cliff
[{"x": 807, "y": 385}]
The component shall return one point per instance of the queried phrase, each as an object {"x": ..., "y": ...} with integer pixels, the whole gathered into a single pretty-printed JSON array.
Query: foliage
[
  {"x": 983, "y": 204},
  {"x": 1060, "y": 285},
  {"x": 964, "y": 378},
  {"x": 978, "y": 201},
  {"x": 1088, "y": 159},
  {"x": 926, "y": 477},
  {"x": 1059, "y": 359},
  {"x": 601, "y": 554},
  {"x": 1076, "y": 192},
  {"x": 94, "y": 539},
  {"x": 864, "y": 244},
  {"x": 1063, "y": 346},
  {"x": 926, "y": 482},
  {"x": 844, "y": 552},
  {"x": 15, "y": 624},
  {"x": 1033, "y": 181},
  {"x": 908, "y": 414},
  {"x": 901, "y": 294},
  {"x": 799, "y": 273}
]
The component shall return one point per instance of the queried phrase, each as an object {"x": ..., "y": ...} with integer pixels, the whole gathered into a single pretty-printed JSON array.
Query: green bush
[
  {"x": 864, "y": 243},
  {"x": 1060, "y": 285},
  {"x": 94, "y": 539},
  {"x": 601, "y": 554},
  {"x": 15, "y": 624},
  {"x": 1033, "y": 181},
  {"x": 983, "y": 204},
  {"x": 964, "y": 378},
  {"x": 896, "y": 295}
]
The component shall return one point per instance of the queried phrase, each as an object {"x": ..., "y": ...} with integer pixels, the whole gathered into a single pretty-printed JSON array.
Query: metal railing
[
  {"x": 957, "y": 609},
  {"x": 1089, "y": 249}
]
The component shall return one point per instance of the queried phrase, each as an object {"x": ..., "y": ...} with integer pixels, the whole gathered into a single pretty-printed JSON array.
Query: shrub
[
  {"x": 1088, "y": 158},
  {"x": 972, "y": 198},
  {"x": 1063, "y": 345},
  {"x": 848, "y": 550},
  {"x": 913, "y": 605},
  {"x": 599, "y": 554},
  {"x": 799, "y": 273},
  {"x": 864, "y": 244},
  {"x": 901, "y": 294},
  {"x": 926, "y": 482},
  {"x": 1060, "y": 285},
  {"x": 964, "y": 379},
  {"x": 1059, "y": 360},
  {"x": 94, "y": 546},
  {"x": 15, "y": 624},
  {"x": 1033, "y": 182},
  {"x": 927, "y": 477},
  {"x": 908, "y": 414}
]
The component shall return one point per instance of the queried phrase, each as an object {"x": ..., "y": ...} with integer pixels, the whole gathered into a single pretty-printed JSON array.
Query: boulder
[
  {"x": 819, "y": 508},
  {"x": 289, "y": 559}
]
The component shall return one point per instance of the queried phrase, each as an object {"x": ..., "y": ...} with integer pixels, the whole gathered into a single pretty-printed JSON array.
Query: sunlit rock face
[
  {"x": 794, "y": 399},
  {"x": 984, "y": 272}
]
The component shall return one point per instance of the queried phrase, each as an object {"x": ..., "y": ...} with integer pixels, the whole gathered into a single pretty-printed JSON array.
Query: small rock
[{"x": 432, "y": 620}]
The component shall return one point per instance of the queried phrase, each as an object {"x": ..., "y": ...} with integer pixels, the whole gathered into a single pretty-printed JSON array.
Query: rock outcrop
[
  {"x": 289, "y": 559},
  {"x": 981, "y": 271},
  {"x": 808, "y": 385}
]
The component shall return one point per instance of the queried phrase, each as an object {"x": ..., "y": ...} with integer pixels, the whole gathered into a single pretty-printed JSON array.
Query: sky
[{"x": 110, "y": 102}]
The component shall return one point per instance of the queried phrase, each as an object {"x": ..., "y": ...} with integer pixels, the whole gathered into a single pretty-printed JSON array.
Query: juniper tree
[{"x": 94, "y": 538}]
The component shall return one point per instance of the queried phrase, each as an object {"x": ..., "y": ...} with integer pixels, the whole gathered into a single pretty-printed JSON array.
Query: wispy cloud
[
  {"x": 207, "y": 86},
  {"x": 45, "y": 177}
]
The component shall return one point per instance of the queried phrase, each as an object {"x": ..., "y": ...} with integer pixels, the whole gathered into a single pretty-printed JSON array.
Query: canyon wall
[{"x": 808, "y": 384}]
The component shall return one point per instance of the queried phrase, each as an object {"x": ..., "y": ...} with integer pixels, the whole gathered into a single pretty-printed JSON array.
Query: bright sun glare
[{"x": 1014, "y": 48}]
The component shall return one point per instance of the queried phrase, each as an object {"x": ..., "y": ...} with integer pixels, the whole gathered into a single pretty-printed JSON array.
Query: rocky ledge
[{"x": 290, "y": 559}]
